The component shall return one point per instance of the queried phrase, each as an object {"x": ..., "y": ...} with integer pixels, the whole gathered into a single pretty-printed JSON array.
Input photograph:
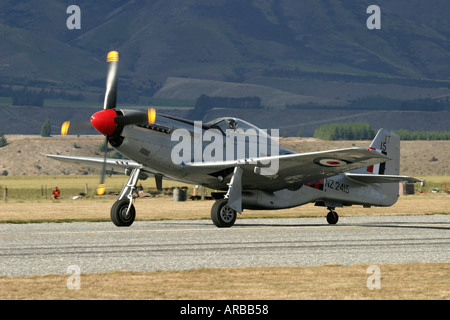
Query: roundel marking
[
  {"x": 329, "y": 162},
  {"x": 332, "y": 162}
]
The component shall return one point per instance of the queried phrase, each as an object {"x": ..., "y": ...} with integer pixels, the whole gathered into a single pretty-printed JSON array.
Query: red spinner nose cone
[{"x": 103, "y": 121}]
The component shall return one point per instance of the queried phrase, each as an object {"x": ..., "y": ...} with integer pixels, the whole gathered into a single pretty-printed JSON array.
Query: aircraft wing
[
  {"x": 118, "y": 165},
  {"x": 301, "y": 167}
]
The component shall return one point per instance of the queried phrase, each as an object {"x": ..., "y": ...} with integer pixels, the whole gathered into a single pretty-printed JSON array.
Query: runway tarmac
[{"x": 43, "y": 248}]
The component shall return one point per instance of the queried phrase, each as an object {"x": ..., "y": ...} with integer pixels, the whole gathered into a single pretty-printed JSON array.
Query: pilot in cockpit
[{"x": 232, "y": 124}]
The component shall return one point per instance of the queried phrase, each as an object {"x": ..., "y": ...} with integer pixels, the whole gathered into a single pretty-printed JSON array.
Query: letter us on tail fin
[
  {"x": 386, "y": 174},
  {"x": 387, "y": 143}
]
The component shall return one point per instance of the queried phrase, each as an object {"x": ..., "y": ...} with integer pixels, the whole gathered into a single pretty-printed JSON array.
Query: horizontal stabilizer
[{"x": 378, "y": 178}]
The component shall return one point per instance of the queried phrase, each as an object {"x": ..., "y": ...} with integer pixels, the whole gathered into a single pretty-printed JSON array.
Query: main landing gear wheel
[
  {"x": 222, "y": 215},
  {"x": 119, "y": 214},
  {"x": 332, "y": 217}
]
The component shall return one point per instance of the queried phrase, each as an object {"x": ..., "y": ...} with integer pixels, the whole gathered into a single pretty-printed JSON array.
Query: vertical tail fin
[
  {"x": 382, "y": 179},
  {"x": 387, "y": 143}
]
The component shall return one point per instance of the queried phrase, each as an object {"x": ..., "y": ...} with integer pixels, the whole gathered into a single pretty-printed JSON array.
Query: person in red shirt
[{"x": 56, "y": 193}]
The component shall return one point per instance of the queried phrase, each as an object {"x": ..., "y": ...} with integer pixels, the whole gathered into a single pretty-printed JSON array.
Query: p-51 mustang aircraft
[{"x": 243, "y": 162}]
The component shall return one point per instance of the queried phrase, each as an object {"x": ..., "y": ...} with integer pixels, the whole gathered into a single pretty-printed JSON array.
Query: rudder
[{"x": 387, "y": 143}]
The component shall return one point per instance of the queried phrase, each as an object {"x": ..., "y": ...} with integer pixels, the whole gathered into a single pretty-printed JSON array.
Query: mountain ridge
[
  {"x": 311, "y": 53},
  {"x": 174, "y": 37}
]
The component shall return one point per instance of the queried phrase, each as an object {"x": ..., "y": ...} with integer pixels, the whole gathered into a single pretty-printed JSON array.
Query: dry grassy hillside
[{"x": 25, "y": 154}]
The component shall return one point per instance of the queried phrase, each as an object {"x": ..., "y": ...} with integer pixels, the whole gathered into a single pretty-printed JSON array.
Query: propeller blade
[
  {"x": 151, "y": 115},
  {"x": 74, "y": 127},
  {"x": 65, "y": 128},
  {"x": 101, "y": 186},
  {"x": 111, "y": 80}
]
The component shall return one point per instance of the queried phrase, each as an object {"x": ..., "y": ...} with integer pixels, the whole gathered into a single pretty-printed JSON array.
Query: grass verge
[
  {"x": 164, "y": 208},
  {"x": 397, "y": 281}
]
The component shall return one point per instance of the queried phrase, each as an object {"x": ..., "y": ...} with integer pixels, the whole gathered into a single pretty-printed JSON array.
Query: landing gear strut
[
  {"x": 332, "y": 216},
  {"x": 123, "y": 212},
  {"x": 224, "y": 211}
]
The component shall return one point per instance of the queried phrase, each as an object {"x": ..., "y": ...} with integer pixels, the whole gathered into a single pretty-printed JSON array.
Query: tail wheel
[
  {"x": 222, "y": 215},
  {"x": 119, "y": 215},
  {"x": 332, "y": 217}
]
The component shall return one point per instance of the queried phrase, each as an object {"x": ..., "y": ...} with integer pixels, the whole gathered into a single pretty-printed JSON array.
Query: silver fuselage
[{"x": 153, "y": 146}]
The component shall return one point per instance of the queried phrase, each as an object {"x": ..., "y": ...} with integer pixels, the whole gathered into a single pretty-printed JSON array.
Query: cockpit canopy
[{"x": 229, "y": 123}]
